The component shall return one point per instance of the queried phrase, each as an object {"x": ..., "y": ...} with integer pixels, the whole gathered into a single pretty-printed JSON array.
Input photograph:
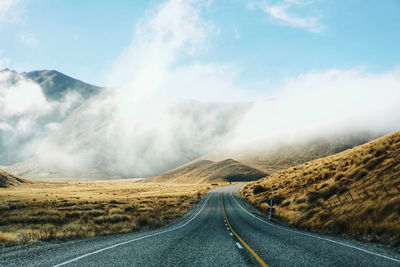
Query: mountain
[
  {"x": 206, "y": 171},
  {"x": 92, "y": 144},
  {"x": 271, "y": 159},
  {"x": 7, "y": 179},
  {"x": 34, "y": 104},
  {"x": 53, "y": 126},
  {"x": 56, "y": 85},
  {"x": 355, "y": 192}
]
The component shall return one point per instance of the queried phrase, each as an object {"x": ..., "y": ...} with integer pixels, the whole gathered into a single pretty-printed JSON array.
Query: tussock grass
[
  {"x": 337, "y": 179},
  {"x": 43, "y": 210}
]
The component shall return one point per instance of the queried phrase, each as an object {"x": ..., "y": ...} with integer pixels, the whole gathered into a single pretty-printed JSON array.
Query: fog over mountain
[
  {"x": 166, "y": 109},
  {"x": 32, "y": 105},
  {"x": 70, "y": 129},
  {"x": 56, "y": 86}
]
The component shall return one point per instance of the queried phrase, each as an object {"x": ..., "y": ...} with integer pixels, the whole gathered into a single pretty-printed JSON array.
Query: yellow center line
[{"x": 252, "y": 252}]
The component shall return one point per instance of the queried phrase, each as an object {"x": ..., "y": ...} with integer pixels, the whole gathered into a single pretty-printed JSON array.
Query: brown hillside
[
  {"x": 283, "y": 156},
  {"x": 7, "y": 179},
  {"x": 206, "y": 171},
  {"x": 355, "y": 192}
]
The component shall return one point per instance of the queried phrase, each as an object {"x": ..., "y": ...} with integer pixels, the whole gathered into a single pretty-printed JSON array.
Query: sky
[
  {"x": 286, "y": 71},
  {"x": 265, "y": 42}
]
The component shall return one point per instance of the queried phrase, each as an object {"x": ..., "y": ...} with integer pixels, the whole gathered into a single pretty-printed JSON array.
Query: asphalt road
[{"x": 222, "y": 230}]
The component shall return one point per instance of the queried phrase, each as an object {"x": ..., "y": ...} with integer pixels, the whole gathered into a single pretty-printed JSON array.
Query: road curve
[{"x": 221, "y": 230}]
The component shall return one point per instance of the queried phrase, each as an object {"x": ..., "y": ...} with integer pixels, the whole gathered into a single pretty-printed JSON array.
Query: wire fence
[{"x": 360, "y": 194}]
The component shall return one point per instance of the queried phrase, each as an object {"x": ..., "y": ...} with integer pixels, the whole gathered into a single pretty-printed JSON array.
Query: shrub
[
  {"x": 278, "y": 199},
  {"x": 361, "y": 174},
  {"x": 259, "y": 189},
  {"x": 339, "y": 176}
]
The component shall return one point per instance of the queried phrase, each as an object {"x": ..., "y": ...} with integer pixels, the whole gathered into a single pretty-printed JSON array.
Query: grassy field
[
  {"x": 43, "y": 210},
  {"x": 354, "y": 193}
]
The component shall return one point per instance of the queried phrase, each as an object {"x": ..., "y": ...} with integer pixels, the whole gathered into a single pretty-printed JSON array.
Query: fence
[{"x": 360, "y": 194}]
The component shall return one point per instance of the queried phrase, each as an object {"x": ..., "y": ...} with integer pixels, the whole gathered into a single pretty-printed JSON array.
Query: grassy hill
[
  {"x": 271, "y": 159},
  {"x": 206, "y": 171},
  {"x": 7, "y": 179},
  {"x": 355, "y": 192}
]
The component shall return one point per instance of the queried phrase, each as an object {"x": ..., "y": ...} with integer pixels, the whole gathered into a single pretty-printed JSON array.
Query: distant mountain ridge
[
  {"x": 56, "y": 85},
  {"x": 31, "y": 105},
  {"x": 207, "y": 171},
  {"x": 78, "y": 130},
  {"x": 282, "y": 156}
]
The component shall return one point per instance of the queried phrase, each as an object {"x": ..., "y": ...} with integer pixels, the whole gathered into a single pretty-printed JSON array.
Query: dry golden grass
[
  {"x": 42, "y": 210},
  {"x": 338, "y": 183}
]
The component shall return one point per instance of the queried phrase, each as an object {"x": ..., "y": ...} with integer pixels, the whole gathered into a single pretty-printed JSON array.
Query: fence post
[
  {"x": 329, "y": 203},
  {"x": 351, "y": 196},
  {"x": 398, "y": 190},
  {"x": 383, "y": 186},
  {"x": 339, "y": 200},
  {"x": 365, "y": 191},
  {"x": 376, "y": 194}
]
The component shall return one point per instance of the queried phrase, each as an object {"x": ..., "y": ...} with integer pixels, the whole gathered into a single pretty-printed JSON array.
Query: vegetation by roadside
[
  {"x": 353, "y": 193},
  {"x": 41, "y": 210}
]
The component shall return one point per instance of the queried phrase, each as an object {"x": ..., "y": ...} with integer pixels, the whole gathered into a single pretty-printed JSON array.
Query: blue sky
[{"x": 268, "y": 41}]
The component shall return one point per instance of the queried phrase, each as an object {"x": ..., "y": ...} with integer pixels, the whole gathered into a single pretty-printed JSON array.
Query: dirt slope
[
  {"x": 355, "y": 192},
  {"x": 206, "y": 171}
]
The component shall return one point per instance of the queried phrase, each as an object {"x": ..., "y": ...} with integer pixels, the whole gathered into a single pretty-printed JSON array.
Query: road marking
[
  {"x": 317, "y": 237},
  {"x": 238, "y": 245},
  {"x": 231, "y": 234},
  {"x": 252, "y": 252},
  {"x": 136, "y": 239}
]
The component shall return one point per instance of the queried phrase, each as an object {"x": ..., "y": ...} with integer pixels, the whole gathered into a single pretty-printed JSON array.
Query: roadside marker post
[{"x": 270, "y": 210}]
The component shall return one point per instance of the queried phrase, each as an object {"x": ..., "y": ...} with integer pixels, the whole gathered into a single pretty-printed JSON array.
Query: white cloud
[
  {"x": 283, "y": 12},
  {"x": 318, "y": 104},
  {"x": 10, "y": 11},
  {"x": 26, "y": 117},
  {"x": 4, "y": 62},
  {"x": 236, "y": 33},
  {"x": 28, "y": 39},
  {"x": 147, "y": 127}
]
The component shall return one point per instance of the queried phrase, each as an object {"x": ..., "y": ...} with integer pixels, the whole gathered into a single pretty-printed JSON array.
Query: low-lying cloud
[
  {"x": 324, "y": 103},
  {"x": 166, "y": 109},
  {"x": 26, "y": 117}
]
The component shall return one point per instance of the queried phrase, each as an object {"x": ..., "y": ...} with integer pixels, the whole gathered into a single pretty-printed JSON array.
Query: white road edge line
[
  {"x": 314, "y": 236},
  {"x": 136, "y": 239},
  {"x": 238, "y": 245}
]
